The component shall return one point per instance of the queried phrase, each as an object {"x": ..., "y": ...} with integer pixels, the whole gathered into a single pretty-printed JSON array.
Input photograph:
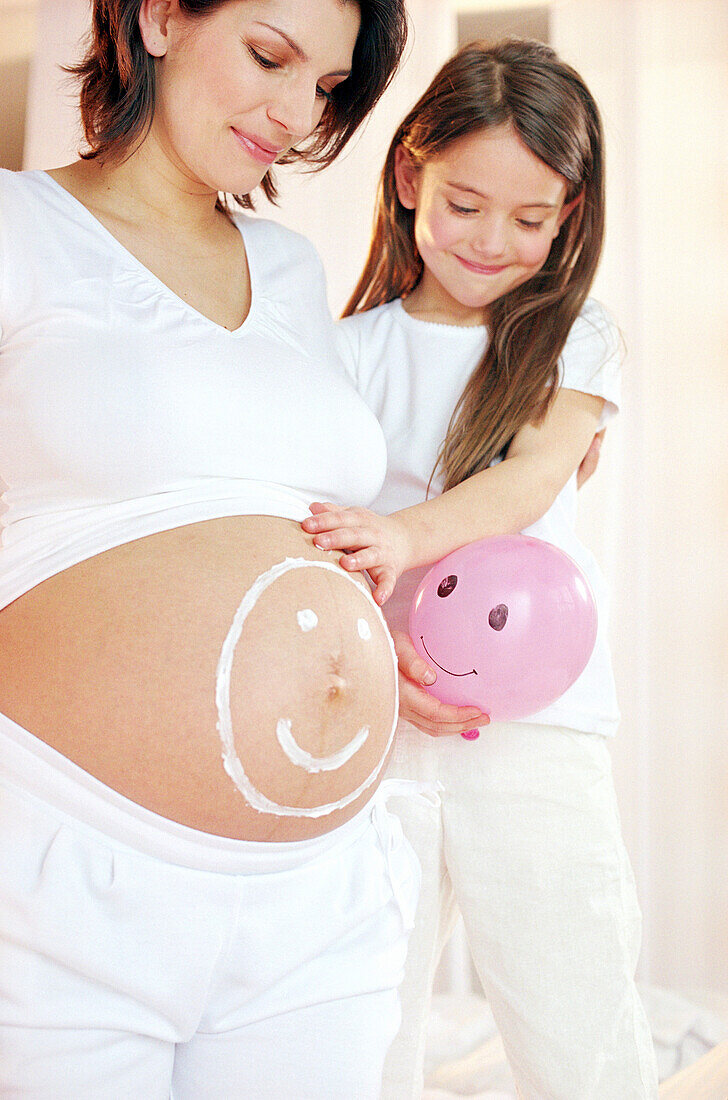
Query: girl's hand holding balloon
[
  {"x": 378, "y": 544},
  {"x": 590, "y": 461},
  {"x": 419, "y": 707},
  {"x": 510, "y": 622}
]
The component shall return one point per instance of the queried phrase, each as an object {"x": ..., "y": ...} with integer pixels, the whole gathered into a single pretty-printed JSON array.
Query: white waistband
[
  {"x": 33, "y": 548},
  {"x": 32, "y": 769}
]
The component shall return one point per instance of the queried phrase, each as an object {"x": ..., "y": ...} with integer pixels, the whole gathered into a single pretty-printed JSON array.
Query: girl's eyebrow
[
  {"x": 296, "y": 49},
  {"x": 473, "y": 191}
]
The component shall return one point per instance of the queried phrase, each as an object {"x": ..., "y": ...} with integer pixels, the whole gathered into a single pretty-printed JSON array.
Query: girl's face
[
  {"x": 239, "y": 87},
  {"x": 486, "y": 213}
]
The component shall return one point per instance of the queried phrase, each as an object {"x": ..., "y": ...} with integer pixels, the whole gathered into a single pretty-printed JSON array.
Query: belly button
[{"x": 337, "y": 686}]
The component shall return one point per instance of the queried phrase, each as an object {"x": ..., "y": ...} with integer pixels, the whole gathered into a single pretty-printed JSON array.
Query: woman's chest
[
  {"x": 115, "y": 389},
  {"x": 209, "y": 275}
]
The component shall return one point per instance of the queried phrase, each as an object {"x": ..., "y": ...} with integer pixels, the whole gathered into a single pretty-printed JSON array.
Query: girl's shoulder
[
  {"x": 591, "y": 360},
  {"x": 363, "y": 339},
  {"x": 595, "y": 325},
  {"x": 371, "y": 319}
]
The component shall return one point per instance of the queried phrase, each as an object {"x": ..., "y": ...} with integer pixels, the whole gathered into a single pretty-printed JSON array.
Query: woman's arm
[{"x": 501, "y": 500}]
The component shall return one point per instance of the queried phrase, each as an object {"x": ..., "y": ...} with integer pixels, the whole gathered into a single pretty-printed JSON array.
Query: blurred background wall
[{"x": 655, "y": 513}]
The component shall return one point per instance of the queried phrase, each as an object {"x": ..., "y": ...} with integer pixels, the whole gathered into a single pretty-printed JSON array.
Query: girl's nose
[{"x": 490, "y": 237}]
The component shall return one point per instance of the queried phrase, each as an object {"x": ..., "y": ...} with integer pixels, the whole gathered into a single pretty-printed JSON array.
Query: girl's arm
[
  {"x": 590, "y": 461},
  {"x": 501, "y": 500}
]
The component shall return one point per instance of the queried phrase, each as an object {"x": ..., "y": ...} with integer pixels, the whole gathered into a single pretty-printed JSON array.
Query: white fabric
[
  {"x": 528, "y": 840},
  {"x": 411, "y": 374},
  {"x": 124, "y": 411},
  {"x": 138, "y": 955},
  {"x": 465, "y": 1056}
]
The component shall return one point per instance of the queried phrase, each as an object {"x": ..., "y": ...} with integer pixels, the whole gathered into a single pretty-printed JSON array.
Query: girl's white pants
[
  {"x": 527, "y": 844},
  {"x": 142, "y": 959}
]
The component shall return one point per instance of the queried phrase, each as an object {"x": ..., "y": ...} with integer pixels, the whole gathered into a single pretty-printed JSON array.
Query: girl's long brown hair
[{"x": 524, "y": 84}]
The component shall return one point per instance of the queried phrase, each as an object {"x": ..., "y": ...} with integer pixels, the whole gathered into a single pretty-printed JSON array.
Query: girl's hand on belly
[{"x": 381, "y": 545}]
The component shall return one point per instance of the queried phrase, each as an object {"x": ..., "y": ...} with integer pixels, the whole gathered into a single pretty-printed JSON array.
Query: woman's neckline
[{"x": 147, "y": 273}]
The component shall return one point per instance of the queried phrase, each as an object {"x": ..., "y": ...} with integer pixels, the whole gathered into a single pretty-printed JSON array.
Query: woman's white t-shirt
[
  {"x": 124, "y": 411},
  {"x": 411, "y": 373}
]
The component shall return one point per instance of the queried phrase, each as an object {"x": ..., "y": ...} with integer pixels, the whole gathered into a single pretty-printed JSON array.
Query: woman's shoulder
[
  {"x": 11, "y": 180},
  {"x": 16, "y": 187},
  {"x": 21, "y": 228},
  {"x": 276, "y": 241},
  {"x": 23, "y": 183},
  {"x": 284, "y": 264},
  {"x": 30, "y": 202}
]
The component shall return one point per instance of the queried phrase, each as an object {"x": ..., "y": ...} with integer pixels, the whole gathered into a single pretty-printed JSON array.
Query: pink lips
[
  {"x": 482, "y": 269},
  {"x": 258, "y": 150}
]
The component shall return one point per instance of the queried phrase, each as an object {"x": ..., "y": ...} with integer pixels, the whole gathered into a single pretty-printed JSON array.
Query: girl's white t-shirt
[{"x": 411, "y": 374}]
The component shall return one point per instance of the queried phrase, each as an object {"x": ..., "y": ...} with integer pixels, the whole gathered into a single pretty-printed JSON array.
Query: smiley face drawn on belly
[
  {"x": 307, "y": 760},
  {"x": 287, "y": 740}
]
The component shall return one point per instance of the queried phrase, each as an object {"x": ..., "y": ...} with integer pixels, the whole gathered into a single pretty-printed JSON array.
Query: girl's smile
[{"x": 482, "y": 269}]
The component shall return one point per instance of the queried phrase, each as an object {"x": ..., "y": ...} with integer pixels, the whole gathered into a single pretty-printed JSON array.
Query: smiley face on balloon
[{"x": 509, "y": 624}]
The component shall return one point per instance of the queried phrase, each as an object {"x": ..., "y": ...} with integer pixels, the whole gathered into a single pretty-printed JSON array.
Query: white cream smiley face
[{"x": 290, "y": 740}]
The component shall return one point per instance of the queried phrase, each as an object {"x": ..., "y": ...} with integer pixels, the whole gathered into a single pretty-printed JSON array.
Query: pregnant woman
[{"x": 201, "y": 894}]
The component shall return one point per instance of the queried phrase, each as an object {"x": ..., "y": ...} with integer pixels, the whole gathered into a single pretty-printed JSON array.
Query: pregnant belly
[{"x": 227, "y": 675}]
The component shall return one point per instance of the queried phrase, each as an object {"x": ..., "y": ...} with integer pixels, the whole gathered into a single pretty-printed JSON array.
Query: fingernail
[
  {"x": 471, "y": 735},
  {"x": 429, "y": 678}
]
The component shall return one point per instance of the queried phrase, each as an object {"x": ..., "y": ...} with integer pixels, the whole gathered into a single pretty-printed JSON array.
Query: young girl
[{"x": 471, "y": 337}]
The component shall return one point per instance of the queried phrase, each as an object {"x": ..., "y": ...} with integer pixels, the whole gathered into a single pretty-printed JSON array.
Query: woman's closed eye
[
  {"x": 323, "y": 93},
  {"x": 268, "y": 63},
  {"x": 271, "y": 64},
  {"x": 525, "y": 224},
  {"x": 457, "y": 209}
]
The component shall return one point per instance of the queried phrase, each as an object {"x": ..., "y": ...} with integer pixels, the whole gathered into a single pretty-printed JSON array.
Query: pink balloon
[{"x": 509, "y": 624}]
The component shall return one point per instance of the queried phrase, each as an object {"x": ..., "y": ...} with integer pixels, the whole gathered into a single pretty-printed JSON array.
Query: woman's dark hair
[
  {"x": 523, "y": 84},
  {"x": 117, "y": 81}
]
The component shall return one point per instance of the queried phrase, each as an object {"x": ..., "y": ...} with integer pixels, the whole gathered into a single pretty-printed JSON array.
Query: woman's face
[
  {"x": 239, "y": 87},
  {"x": 487, "y": 211}
]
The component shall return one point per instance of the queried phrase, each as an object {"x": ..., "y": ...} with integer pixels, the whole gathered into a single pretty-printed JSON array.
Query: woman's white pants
[
  {"x": 527, "y": 844},
  {"x": 142, "y": 959}
]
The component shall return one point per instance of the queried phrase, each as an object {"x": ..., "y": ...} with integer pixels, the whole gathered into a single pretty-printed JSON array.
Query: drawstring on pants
[{"x": 393, "y": 842}]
